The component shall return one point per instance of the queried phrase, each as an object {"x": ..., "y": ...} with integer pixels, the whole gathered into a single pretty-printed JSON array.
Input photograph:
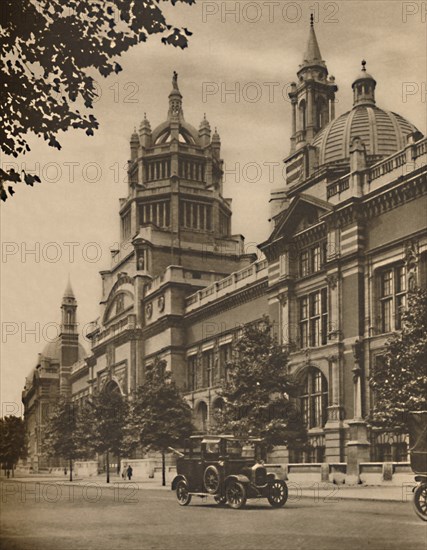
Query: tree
[
  {"x": 159, "y": 416},
  {"x": 50, "y": 50},
  {"x": 104, "y": 422},
  {"x": 257, "y": 390},
  {"x": 13, "y": 441},
  {"x": 399, "y": 382},
  {"x": 64, "y": 433}
]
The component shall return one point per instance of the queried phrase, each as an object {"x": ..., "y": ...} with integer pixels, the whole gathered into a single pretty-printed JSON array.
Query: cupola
[{"x": 364, "y": 87}]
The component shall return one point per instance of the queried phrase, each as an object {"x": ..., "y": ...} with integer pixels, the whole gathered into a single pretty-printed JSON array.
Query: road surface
[{"x": 50, "y": 516}]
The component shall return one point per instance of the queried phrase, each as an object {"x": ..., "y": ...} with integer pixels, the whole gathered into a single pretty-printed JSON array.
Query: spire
[
  {"x": 69, "y": 291},
  {"x": 312, "y": 55}
]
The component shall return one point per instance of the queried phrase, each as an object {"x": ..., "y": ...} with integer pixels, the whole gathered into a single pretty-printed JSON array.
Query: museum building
[{"x": 333, "y": 274}]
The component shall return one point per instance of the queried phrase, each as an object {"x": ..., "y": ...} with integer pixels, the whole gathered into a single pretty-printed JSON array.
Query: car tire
[
  {"x": 420, "y": 501},
  {"x": 277, "y": 493},
  {"x": 235, "y": 494},
  {"x": 211, "y": 479},
  {"x": 182, "y": 493}
]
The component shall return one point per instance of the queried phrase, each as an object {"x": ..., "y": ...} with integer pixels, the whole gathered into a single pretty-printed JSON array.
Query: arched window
[
  {"x": 322, "y": 113},
  {"x": 314, "y": 399}
]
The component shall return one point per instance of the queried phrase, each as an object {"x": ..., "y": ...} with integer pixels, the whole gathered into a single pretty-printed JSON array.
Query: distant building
[
  {"x": 50, "y": 378},
  {"x": 348, "y": 239}
]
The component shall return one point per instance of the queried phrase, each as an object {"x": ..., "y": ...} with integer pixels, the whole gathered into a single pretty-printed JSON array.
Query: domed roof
[
  {"x": 382, "y": 132},
  {"x": 53, "y": 350}
]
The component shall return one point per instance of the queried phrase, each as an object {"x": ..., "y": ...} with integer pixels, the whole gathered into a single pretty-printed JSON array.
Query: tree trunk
[
  {"x": 163, "y": 469},
  {"x": 108, "y": 467},
  {"x": 71, "y": 469}
]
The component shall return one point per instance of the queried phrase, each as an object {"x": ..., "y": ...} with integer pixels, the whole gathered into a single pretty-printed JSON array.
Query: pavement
[{"x": 319, "y": 491}]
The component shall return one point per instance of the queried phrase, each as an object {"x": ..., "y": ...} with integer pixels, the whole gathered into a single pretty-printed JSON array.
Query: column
[{"x": 358, "y": 447}]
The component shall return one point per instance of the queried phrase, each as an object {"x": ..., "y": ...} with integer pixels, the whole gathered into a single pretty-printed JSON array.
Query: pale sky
[{"x": 78, "y": 199}]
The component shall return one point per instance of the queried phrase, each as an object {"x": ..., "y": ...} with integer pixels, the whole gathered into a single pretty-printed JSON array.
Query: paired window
[
  {"x": 392, "y": 297},
  {"x": 311, "y": 260},
  {"x": 314, "y": 400},
  {"x": 313, "y": 319}
]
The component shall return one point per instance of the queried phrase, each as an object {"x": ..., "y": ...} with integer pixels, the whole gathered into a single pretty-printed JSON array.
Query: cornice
[{"x": 229, "y": 301}]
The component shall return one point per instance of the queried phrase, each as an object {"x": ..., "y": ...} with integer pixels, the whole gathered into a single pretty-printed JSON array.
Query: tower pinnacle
[
  {"x": 312, "y": 55},
  {"x": 68, "y": 290}
]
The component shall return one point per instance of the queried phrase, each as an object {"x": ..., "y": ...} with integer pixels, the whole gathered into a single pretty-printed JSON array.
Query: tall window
[
  {"x": 208, "y": 364},
  {"x": 392, "y": 298},
  {"x": 126, "y": 226},
  {"x": 311, "y": 260},
  {"x": 304, "y": 263},
  {"x": 224, "y": 357},
  {"x": 192, "y": 372},
  {"x": 314, "y": 399},
  {"x": 313, "y": 319}
]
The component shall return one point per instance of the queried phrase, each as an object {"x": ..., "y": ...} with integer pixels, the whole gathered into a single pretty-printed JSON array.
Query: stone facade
[{"x": 334, "y": 275}]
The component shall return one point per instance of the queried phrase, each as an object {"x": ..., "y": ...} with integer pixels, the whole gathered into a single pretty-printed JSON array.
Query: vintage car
[{"x": 228, "y": 469}]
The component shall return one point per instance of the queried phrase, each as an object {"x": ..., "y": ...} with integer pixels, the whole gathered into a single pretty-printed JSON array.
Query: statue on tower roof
[{"x": 175, "y": 81}]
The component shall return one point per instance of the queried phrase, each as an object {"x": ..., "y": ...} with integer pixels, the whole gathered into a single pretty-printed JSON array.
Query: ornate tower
[
  {"x": 68, "y": 339},
  {"x": 313, "y": 96},
  {"x": 175, "y": 213}
]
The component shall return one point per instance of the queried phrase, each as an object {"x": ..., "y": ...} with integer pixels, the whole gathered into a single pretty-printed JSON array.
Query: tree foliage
[
  {"x": 64, "y": 433},
  {"x": 159, "y": 416},
  {"x": 13, "y": 441},
  {"x": 50, "y": 50},
  {"x": 258, "y": 388},
  {"x": 105, "y": 420},
  {"x": 399, "y": 382}
]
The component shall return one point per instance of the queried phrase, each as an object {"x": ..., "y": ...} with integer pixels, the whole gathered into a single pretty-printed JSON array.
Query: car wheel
[
  {"x": 420, "y": 501},
  {"x": 182, "y": 493},
  {"x": 278, "y": 493},
  {"x": 235, "y": 494},
  {"x": 211, "y": 479}
]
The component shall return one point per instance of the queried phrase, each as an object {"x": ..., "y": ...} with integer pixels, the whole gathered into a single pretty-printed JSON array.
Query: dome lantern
[{"x": 364, "y": 87}]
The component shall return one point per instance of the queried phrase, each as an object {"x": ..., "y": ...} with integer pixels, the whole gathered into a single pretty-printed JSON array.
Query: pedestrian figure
[
  {"x": 7, "y": 474},
  {"x": 65, "y": 471},
  {"x": 129, "y": 472},
  {"x": 124, "y": 472}
]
